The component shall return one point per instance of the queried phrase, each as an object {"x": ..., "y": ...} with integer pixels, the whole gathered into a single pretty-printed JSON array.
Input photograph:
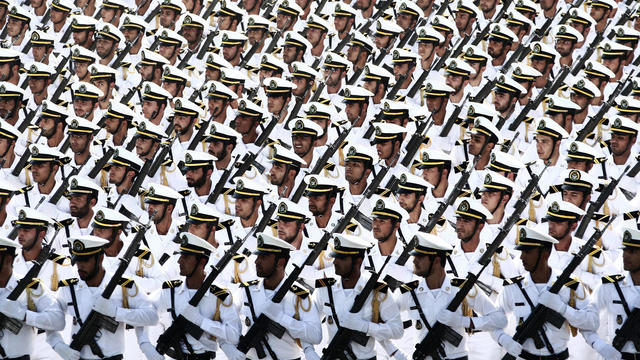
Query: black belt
[
  {"x": 204, "y": 356},
  {"x": 630, "y": 356},
  {"x": 560, "y": 356},
  {"x": 461, "y": 358},
  {"x": 115, "y": 357},
  {"x": 23, "y": 357}
]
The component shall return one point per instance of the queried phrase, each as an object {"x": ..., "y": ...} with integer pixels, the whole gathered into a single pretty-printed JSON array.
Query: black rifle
[
  {"x": 320, "y": 88},
  {"x": 439, "y": 332},
  {"x": 339, "y": 346},
  {"x": 514, "y": 56},
  {"x": 355, "y": 76},
  {"x": 533, "y": 325},
  {"x": 416, "y": 140},
  {"x": 125, "y": 99},
  {"x": 342, "y": 43},
  {"x": 9, "y": 323},
  {"x": 250, "y": 158},
  {"x": 390, "y": 95},
  {"x": 173, "y": 338},
  {"x": 604, "y": 195},
  {"x": 418, "y": 84},
  {"x": 60, "y": 89},
  {"x": 96, "y": 321},
  {"x": 101, "y": 163},
  {"x": 275, "y": 38},
  {"x": 207, "y": 13},
  {"x": 485, "y": 90},
  {"x": 152, "y": 14},
  {"x": 252, "y": 51},
  {"x": 587, "y": 54},
  {"x": 116, "y": 63},
  {"x": 628, "y": 331},
  {"x": 162, "y": 156},
  {"x": 63, "y": 187},
  {"x": 593, "y": 121},
  {"x": 457, "y": 190},
  {"x": 256, "y": 334},
  {"x": 133, "y": 191},
  {"x": 320, "y": 164},
  {"x": 321, "y": 5},
  {"x": 203, "y": 49},
  {"x": 532, "y": 105},
  {"x": 452, "y": 119},
  {"x": 382, "y": 6},
  {"x": 217, "y": 191},
  {"x": 200, "y": 134}
]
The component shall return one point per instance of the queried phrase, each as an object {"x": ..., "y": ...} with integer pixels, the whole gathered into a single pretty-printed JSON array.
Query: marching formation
[{"x": 297, "y": 179}]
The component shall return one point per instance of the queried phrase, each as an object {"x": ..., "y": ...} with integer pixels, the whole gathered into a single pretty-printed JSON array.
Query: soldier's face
[
  {"x": 455, "y": 81},
  {"x": 558, "y": 229},
  {"x": 88, "y": 267},
  {"x": 631, "y": 259},
  {"x": 79, "y": 205},
  {"x": 41, "y": 172},
  {"x": 502, "y": 101},
  {"x": 487, "y": 5},
  {"x": 5, "y": 71},
  {"x": 385, "y": 150},
  {"x": 314, "y": 35},
  {"x": 200, "y": 229},
  {"x": 301, "y": 85},
  {"x": 353, "y": 110},
  {"x": 434, "y": 103},
  {"x": 107, "y": 14},
  {"x": 5, "y": 144},
  {"x": 167, "y": 51},
  {"x": 116, "y": 174},
  {"x": 580, "y": 100},
  {"x": 612, "y": 64},
  {"x": 577, "y": 165},
  {"x": 575, "y": 197},
  {"x": 477, "y": 144},
  {"x": 111, "y": 124},
  {"x": 230, "y": 52},
  {"x": 289, "y": 54},
  {"x": 465, "y": 228},
  {"x": 343, "y": 266},
  {"x": 244, "y": 124},
  {"x": 172, "y": 87},
  {"x": 14, "y": 27},
  {"x": 190, "y": 33},
  {"x": 104, "y": 86},
  {"x": 146, "y": 72},
  {"x": 27, "y": 236},
  {"x": 255, "y": 35},
  {"x": 130, "y": 33},
  {"x": 421, "y": 265},
  {"x": 144, "y": 146},
  {"x": 564, "y": 47},
  {"x": 283, "y": 20},
  {"x": 37, "y": 85},
  {"x": 105, "y": 47},
  {"x": 79, "y": 142},
  {"x": 265, "y": 265},
  {"x": 150, "y": 109},
  {"x": 167, "y": 18},
  {"x": 495, "y": 48},
  {"x": 288, "y": 230},
  {"x": 245, "y": 207},
  {"x": 182, "y": 123},
  {"x": 530, "y": 257},
  {"x": 81, "y": 68},
  {"x": 83, "y": 107},
  {"x": 621, "y": 143},
  {"x": 491, "y": 200},
  {"x": 160, "y": 211},
  {"x": 302, "y": 144},
  {"x": 405, "y": 20},
  {"x": 354, "y": 171},
  {"x": 38, "y": 52},
  {"x": 382, "y": 228},
  {"x": 212, "y": 74},
  {"x": 277, "y": 173},
  {"x": 105, "y": 233},
  {"x": 318, "y": 205},
  {"x": 431, "y": 175},
  {"x": 544, "y": 146},
  {"x": 340, "y": 23},
  {"x": 462, "y": 20},
  {"x": 196, "y": 177},
  {"x": 187, "y": 263},
  {"x": 217, "y": 149},
  {"x": 382, "y": 41},
  {"x": 425, "y": 49},
  {"x": 408, "y": 201},
  {"x": 598, "y": 12}
]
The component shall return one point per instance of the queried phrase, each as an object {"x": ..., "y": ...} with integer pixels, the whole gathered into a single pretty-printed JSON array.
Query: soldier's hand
[
  {"x": 512, "y": 346},
  {"x": 150, "y": 352},
  {"x": 105, "y": 307},
  {"x": 354, "y": 322},
  {"x": 231, "y": 352},
  {"x": 272, "y": 310},
  {"x": 66, "y": 352},
  {"x": 310, "y": 353},
  {"x": 13, "y": 309},
  {"x": 192, "y": 314},
  {"x": 453, "y": 319},
  {"x": 553, "y": 302},
  {"x": 607, "y": 351}
]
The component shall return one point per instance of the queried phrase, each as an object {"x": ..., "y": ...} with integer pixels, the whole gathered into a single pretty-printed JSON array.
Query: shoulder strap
[
  {"x": 625, "y": 305},
  {"x": 332, "y": 306},
  {"x": 74, "y": 302},
  {"x": 419, "y": 308}
]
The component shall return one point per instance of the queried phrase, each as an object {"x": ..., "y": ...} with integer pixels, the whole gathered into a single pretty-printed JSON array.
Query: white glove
[
  {"x": 232, "y": 352},
  {"x": 13, "y": 309},
  {"x": 607, "y": 351},
  {"x": 105, "y": 307},
  {"x": 553, "y": 302},
  {"x": 453, "y": 319},
  {"x": 512, "y": 346},
  {"x": 192, "y": 314},
  {"x": 150, "y": 352},
  {"x": 310, "y": 353},
  {"x": 354, "y": 322},
  {"x": 272, "y": 310},
  {"x": 66, "y": 352}
]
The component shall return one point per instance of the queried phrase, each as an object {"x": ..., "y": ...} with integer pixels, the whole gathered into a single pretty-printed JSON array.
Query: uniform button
[
  {"x": 447, "y": 288},
  {"x": 420, "y": 288},
  {"x": 359, "y": 287},
  {"x": 481, "y": 251}
]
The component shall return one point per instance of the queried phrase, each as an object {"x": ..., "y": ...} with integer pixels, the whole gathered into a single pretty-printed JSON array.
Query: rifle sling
[
  {"x": 542, "y": 333},
  {"x": 253, "y": 315},
  {"x": 172, "y": 310},
  {"x": 625, "y": 305},
  {"x": 332, "y": 305},
  {"x": 74, "y": 302}
]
